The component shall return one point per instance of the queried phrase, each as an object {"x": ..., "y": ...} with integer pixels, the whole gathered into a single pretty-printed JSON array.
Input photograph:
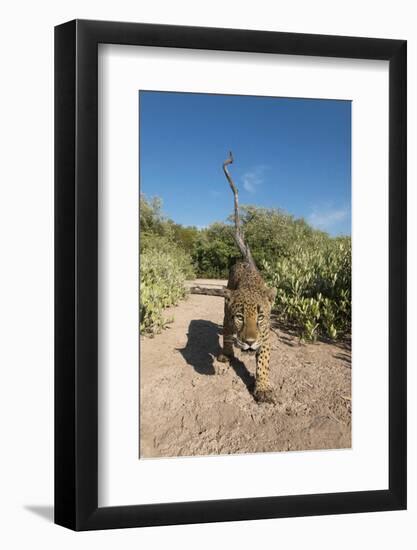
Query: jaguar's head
[{"x": 250, "y": 314}]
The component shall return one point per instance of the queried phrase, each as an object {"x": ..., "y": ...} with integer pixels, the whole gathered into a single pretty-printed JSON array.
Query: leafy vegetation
[
  {"x": 314, "y": 287},
  {"x": 310, "y": 269},
  {"x": 270, "y": 233},
  {"x": 164, "y": 266}
]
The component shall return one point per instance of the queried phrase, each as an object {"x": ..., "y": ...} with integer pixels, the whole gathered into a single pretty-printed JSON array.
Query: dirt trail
[{"x": 193, "y": 405}]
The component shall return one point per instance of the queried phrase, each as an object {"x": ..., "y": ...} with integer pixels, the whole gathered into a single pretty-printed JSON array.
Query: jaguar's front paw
[
  {"x": 223, "y": 358},
  {"x": 264, "y": 394}
]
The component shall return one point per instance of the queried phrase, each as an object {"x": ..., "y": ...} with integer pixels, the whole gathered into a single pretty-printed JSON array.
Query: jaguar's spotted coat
[{"x": 247, "y": 309}]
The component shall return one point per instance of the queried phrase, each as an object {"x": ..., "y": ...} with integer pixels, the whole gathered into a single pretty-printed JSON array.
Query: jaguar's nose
[{"x": 250, "y": 341}]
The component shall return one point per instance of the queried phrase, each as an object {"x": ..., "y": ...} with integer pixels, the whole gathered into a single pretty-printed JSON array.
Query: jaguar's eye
[
  {"x": 261, "y": 317},
  {"x": 239, "y": 317}
]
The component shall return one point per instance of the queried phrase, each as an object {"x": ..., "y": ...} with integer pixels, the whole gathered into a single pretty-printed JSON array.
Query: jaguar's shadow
[{"x": 203, "y": 347}]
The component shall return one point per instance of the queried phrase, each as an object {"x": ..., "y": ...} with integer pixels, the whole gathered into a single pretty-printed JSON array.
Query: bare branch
[
  {"x": 233, "y": 187},
  {"x": 243, "y": 247}
]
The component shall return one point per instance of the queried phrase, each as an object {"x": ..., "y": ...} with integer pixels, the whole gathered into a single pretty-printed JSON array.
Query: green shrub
[
  {"x": 314, "y": 287},
  {"x": 163, "y": 269}
]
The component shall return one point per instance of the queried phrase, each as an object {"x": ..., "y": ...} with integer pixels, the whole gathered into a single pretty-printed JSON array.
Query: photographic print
[
  {"x": 245, "y": 274},
  {"x": 203, "y": 274}
]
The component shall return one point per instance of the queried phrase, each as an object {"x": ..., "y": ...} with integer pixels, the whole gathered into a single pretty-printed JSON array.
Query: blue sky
[{"x": 293, "y": 154}]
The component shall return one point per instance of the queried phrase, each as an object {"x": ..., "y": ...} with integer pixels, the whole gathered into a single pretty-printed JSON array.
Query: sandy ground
[{"x": 193, "y": 405}]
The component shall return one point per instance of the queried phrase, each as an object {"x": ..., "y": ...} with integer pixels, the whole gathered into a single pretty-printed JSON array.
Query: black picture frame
[{"x": 76, "y": 272}]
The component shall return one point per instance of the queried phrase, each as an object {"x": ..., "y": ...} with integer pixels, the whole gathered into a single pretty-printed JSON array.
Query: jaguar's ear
[
  {"x": 272, "y": 294},
  {"x": 227, "y": 293}
]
